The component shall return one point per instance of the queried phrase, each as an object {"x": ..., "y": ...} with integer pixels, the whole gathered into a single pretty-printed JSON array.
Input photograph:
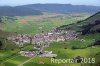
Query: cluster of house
[
  {"x": 20, "y": 39},
  {"x": 36, "y": 53},
  {"x": 44, "y": 39},
  {"x": 28, "y": 53},
  {"x": 47, "y": 54}
]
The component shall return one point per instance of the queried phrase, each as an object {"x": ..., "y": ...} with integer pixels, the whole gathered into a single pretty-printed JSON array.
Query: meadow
[
  {"x": 37, "y": 24},
  {"x": 61, "y": 51}
]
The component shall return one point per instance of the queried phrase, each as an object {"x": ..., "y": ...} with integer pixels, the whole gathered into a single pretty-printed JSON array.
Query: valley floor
[{"x": 64, "y": 49}]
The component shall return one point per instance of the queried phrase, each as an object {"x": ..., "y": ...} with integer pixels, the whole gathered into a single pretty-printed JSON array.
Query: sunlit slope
[{"x": 89, "y": 25}]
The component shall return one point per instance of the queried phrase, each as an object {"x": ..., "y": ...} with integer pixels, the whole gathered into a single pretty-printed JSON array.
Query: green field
[
  {"x": 59, "y": 49},
  {"x": 37, "y": 24},
  {"x": 64, "y": 50}
]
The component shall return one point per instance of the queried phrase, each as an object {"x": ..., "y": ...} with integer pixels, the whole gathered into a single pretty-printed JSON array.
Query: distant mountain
[
  {"x": 36, "y": 9},
  {"x": 17, "y": 11},
  {"x": 63, "y": 8},
  {"x": 87, "y": 26}
]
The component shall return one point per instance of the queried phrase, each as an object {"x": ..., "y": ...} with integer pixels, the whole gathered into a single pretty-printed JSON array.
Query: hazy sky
[{"x": 74, "y": 2}]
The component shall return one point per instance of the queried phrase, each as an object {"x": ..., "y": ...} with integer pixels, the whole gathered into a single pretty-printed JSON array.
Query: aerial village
[{"x": 41, "y": 41}]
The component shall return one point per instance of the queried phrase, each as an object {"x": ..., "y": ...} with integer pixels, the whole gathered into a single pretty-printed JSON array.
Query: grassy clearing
[
  {"x": 58, "y": 48},
  {"x": 9, "y": 54},
  {"x": 62, "y": 53},
  {"x": 95, "y": 36}
]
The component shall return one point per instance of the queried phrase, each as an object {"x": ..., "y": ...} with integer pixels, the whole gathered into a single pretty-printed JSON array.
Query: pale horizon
[{"x": 26, "y": 2}]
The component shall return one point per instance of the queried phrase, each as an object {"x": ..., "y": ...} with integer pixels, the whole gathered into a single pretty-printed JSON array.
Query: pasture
[
  {"x": 42, "y": 23},
  {"x": 37, "y": 24},
  {"x": 59, "y": 49}
]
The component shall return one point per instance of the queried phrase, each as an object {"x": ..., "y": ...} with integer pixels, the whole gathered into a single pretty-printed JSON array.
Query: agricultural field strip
[
  {"x": 25, "y": 62},
  {"x": 11, "y": 58},
  {"x": 35, "y": 24}
]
